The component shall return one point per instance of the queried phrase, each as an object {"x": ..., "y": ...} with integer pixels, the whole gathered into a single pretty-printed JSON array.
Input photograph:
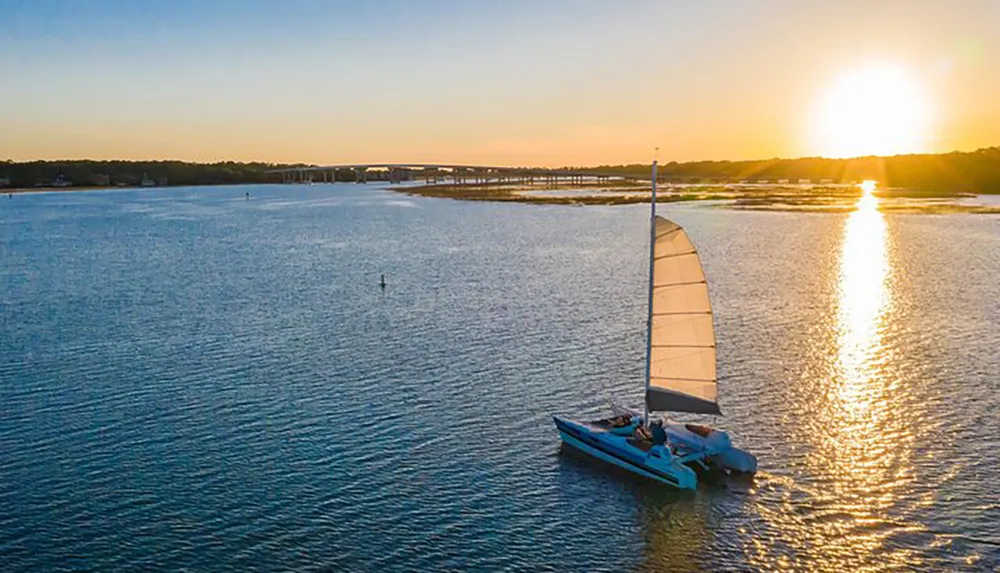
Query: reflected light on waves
[
  {"x": 863, "y": 301},
  {"x": 866, "y": 448},
  {"x": 862, "y": 441}
]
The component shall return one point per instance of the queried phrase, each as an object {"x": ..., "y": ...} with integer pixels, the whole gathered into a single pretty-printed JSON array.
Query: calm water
[{"x": 193, "y": 381}]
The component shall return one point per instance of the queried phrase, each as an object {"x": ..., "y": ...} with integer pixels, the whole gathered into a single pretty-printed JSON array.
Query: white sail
[{"x": 682, "y": 376}]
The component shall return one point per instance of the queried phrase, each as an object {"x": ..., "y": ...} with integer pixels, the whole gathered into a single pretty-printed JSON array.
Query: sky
[{"x": 511, "y": 82}]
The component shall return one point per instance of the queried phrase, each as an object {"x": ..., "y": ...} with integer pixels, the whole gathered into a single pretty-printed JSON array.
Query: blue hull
[{"x": 657, "y": 463}]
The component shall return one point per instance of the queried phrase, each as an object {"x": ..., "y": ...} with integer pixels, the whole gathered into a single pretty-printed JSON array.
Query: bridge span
[
  {"x": 433, "y": 172},
  {"x": 486, "y": 174}
]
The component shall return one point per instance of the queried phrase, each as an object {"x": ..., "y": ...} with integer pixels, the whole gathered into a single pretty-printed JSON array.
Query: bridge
[
  {"x": 486, "y": 174},
  {"x": 432, "y": 172}
]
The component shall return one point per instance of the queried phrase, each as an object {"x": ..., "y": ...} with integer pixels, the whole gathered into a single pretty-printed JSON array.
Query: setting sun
[{"x": 874, "y": 110}]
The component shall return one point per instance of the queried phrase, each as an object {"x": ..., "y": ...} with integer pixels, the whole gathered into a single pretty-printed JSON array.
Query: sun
[{"x": 877, "y": 109}]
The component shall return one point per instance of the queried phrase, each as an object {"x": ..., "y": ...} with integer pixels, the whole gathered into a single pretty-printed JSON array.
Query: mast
[{"x": 649, "y": 305}]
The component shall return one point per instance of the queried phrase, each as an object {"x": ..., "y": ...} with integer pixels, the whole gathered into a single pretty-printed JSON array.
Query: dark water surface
[{"x": 193, "y": 381}]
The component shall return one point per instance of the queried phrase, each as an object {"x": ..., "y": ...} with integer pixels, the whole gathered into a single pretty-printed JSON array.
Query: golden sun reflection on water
[
  {"x": 862, "y": 308},
  {"x": 861, "y": 441},
  {"x": 864, "y": 449}
]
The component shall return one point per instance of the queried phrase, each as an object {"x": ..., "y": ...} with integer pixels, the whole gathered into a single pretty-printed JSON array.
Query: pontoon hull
[
  {"x": 657, "y": 464},
  {"x": 719, "y": 448}
]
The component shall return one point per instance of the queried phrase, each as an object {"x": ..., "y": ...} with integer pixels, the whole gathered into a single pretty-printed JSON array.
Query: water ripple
[{"x": 198, "y": 382}]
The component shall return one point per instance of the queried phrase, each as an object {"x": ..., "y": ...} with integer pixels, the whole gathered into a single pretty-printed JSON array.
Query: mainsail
[{"x": 682, "y": 375}]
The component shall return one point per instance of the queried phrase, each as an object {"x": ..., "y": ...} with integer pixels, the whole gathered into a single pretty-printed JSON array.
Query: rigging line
[
  {"x": 680, "y": 284},
  {"x": 681, "y": 313},
  {"x": 685, "y": 379},
  {"x": 670, "y": 256}
]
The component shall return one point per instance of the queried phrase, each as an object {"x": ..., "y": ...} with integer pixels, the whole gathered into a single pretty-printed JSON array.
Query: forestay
[{"x": 682, "y": 376}]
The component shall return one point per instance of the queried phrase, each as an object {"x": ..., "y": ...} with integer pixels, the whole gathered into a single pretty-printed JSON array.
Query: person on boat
[
  {"x": 621, "y": 421},
  {"x": 659, "y": 434},
  {"x": 642, "y": 433}
]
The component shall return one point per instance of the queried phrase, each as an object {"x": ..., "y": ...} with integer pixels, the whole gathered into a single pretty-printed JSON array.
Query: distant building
[
  {"x": 101, "y": 180},
  {"x": 801, "y": 181},
  {"x": 163, "y": 181},
  {"x": 4, "y": 181}
]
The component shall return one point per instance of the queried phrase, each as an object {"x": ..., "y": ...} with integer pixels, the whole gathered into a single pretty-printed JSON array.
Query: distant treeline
[
  {"x": 976, "y": 171},
  {"x": 110, "y": 173}
]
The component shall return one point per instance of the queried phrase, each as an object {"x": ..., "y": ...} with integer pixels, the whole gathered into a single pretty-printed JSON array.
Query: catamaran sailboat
[{"x": 680, "y": 377}]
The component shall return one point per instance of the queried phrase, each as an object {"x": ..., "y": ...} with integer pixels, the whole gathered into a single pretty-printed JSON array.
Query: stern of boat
[{"x": 716, "y": 445}]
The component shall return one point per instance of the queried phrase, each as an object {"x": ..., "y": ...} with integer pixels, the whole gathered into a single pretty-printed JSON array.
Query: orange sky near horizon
[{"x": 514, "y": 83}]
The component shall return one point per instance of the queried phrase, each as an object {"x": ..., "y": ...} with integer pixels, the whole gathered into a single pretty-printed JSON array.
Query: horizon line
[{"x": 197, "y": 162}]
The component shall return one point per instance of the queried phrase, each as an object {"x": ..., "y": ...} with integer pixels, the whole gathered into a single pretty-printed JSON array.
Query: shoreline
[
  {"x": 81, "y": 188},
  {"x": 22, "y": 190},
  {"x": 514, "y": 193},
  {"x": 828, "y": 199}
]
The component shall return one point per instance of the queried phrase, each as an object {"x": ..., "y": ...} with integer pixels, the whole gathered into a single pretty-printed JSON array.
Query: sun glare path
[{"x": 866, "y": 444}]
